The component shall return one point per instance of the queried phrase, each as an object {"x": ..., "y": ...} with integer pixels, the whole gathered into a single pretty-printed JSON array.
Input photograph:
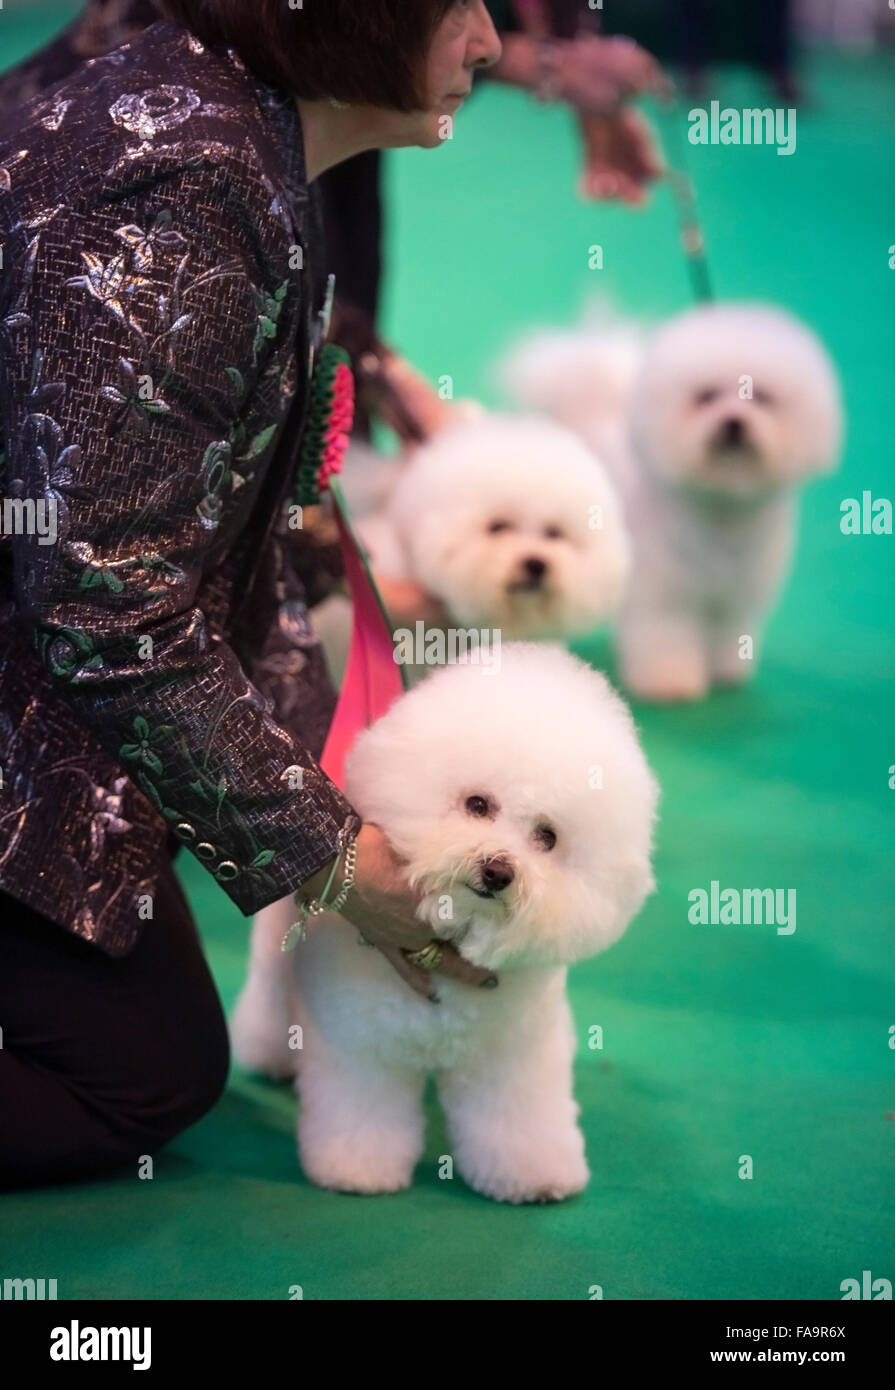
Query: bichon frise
[
  {"x": 524, "y": 807},
  {"x": 732, "y": 407},
  {"x": 510, "y": 522}
]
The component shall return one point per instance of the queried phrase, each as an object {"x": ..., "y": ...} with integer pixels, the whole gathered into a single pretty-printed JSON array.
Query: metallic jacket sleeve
[{"x": 147, "y": 392}]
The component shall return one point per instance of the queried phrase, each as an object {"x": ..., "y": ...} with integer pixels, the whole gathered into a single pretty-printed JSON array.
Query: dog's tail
[{"x": 581, "y": 376}]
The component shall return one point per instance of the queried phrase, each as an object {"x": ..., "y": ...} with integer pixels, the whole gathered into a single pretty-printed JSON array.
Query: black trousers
[{"x": 103, "y": 1060}]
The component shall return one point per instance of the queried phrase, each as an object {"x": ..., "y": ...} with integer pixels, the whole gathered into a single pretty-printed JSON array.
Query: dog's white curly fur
[
  {"x": 730, "y": 408},
  {"x": 510, "y": 521},
  {"x": 548, "y": 745}
]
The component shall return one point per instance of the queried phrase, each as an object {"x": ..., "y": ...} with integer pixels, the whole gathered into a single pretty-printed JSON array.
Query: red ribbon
[{"x": 373, "y": 680}]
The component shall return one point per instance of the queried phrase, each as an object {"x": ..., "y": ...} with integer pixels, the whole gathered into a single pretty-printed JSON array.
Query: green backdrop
[{"x": 718, "y": 1041}]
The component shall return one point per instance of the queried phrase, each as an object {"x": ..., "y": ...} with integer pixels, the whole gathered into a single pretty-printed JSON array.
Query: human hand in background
[
  {"x": 621, "y": 156},
  {"x": 407, "y": 601},
  {"x": 595, "y": 75},
  {"x": 410, "y": 396}
]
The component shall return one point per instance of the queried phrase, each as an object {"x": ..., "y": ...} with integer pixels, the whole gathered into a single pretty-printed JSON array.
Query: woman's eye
[
  {"x": 545, "y": 837},
  {"x": 478, "y": 805},
  {"x": 553, "y": 533},
  {"x": 496, "y": 526},
  {"x": 706, "y": 396}
]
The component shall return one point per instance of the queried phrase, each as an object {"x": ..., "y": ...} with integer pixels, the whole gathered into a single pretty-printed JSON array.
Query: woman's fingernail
[{"x": 490, "y": 982}]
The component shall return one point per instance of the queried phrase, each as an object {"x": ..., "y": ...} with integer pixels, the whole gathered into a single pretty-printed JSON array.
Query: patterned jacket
[{"x": 159, "y": 301}]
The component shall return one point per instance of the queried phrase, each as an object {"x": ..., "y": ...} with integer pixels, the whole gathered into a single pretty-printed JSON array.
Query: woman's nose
[{"x": 484, "y": 42}]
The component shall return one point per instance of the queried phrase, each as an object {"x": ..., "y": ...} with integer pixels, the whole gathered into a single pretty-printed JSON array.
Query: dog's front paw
[
  {"x": 663, "y": 658},
  {"x": 729, "y": 668},
  {"x": 547, "y": 1175},
  {"x": 343, "y": 1167},
  {"x": 669, "y": 683}
]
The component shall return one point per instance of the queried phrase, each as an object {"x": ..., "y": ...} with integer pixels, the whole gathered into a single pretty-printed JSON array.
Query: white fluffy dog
[
  {"x": 510, "y": 522},
  {"x": 730, "y": 409},
  {"x": 524, "y": 807}
]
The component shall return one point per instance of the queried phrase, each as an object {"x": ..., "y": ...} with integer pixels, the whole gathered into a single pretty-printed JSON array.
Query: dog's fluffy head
[
  {"x": 522, "y": 802},
  {"x": 513, "y": 524},
  {"x": 736, "y": 399}
]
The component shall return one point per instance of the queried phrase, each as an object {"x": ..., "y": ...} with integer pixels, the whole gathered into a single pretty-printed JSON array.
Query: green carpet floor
[{"x": 718, "y": 1041}]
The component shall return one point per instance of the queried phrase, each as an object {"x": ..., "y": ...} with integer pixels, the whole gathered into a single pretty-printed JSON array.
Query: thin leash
[
  {"x": 683, "y": 191},
  {"x": 541, "y": 19}
]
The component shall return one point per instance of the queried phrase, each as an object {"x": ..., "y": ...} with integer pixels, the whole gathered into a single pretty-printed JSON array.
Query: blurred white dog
[
  {"x": 708, "y": 431},
  {"x": 509, "y": 521},
  {"x": 524, "y": 808}
]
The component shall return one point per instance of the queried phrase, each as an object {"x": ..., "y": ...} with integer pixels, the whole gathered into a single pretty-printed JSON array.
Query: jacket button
[
  {"x": 205, "y": 851},
  {"x": 227, "y": 870}
]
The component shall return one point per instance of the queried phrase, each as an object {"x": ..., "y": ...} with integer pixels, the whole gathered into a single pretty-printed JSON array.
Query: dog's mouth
[
  {"x": 481, "y": 892},
  {"x": 720, "y": 457},
  {"x": 525, "y": 586},
  {"x": 532, "y": 576},
  {"x": 734, "y": 466},
  {"x": 732, "y": 446},
  {"x": 530, "y": 586}
]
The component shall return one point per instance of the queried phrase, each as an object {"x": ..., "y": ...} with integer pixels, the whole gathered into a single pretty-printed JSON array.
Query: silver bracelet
[{"x": 299, "y": 929}]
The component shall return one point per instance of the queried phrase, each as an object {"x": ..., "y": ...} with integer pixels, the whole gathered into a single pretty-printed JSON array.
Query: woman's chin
[{"x": 436, "y": 129}]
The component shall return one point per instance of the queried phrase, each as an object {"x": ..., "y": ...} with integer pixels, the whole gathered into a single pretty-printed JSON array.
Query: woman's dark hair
[{"x": 367, "y": 51}]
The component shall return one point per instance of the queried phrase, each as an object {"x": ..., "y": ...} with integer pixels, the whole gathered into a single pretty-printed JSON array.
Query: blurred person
[{"x": 693, "y": 24}]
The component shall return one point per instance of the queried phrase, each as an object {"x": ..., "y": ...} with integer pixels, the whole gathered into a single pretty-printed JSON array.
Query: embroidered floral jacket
[{"x": 159, "y": 301}]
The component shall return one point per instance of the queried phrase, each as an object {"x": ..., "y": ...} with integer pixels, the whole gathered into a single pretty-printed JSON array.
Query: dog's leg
[
  {"x": 259, "y": 1028},
  {"x": 663, "y": 655},
  {"x": 512, "y": 1117},
  {"x": 361, "y": 1124},
  {"x": 734, "y": 649}
]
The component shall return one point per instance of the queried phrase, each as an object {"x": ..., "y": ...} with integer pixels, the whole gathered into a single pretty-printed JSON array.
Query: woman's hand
[
  {"x": 620, "y": 156},
  {"x": 596, "y": 74},
  {"x": 407, "y": 402},
  {"x": 406, "y": 601},
  {"x": 383, "y": 908}
]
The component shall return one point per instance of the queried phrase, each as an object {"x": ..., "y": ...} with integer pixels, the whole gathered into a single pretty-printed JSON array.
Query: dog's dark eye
[
  {"x": 545, "y": 837},
  {"x": 496, "y": 526},
  {"x": 707, "y": 395},
  {"x": 478, "y": 805},
  {"x": 762, "y": 397},
  {"x": 553, "y": 533}
]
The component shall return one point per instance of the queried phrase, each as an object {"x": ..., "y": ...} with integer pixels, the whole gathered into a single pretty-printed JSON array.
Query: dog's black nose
[
  {"x": 497, "y": 874},
  {"x": 535, "y": 567},
  {"x": 731, "y": 434}
]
